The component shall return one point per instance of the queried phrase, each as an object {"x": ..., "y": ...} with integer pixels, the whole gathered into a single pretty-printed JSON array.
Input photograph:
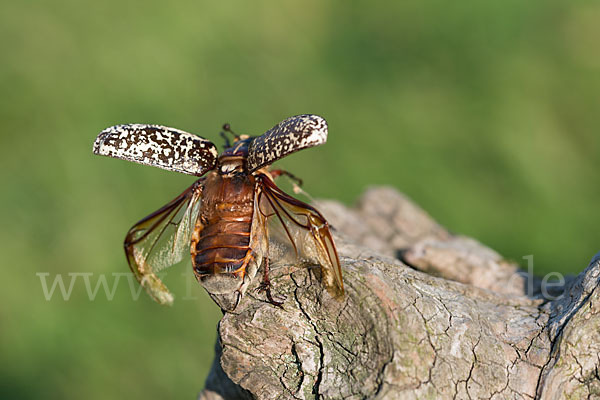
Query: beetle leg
[
  {"x": 278, "y": 172},
  {"x": 266, "y": 284},
  {"x": 296, "y": 182}
]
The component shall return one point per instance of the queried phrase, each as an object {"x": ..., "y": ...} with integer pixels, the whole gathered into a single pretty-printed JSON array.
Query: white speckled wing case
[
  {"x": 290, "y": 135},
  {"x": 158, "y": 146}
]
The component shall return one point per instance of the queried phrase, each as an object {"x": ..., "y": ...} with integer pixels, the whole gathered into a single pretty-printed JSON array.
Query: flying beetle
[{"x": 232, "y": 216}]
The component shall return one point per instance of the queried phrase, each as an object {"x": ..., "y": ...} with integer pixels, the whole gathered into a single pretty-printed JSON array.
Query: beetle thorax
[{"x": 231, "y": 165}]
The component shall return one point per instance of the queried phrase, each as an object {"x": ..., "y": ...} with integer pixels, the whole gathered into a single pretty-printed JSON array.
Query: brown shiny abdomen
[{"x": 222, "y": 237}]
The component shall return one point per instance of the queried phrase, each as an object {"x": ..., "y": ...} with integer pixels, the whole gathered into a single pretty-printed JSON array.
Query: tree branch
[{"x": 426, "y": 314}]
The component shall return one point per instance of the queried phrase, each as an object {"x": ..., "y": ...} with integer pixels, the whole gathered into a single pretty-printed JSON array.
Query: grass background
[{"x": 486, "y": 114}]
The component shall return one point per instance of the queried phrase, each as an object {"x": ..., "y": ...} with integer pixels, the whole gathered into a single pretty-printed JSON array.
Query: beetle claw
[{"x": 266, "y": 287}]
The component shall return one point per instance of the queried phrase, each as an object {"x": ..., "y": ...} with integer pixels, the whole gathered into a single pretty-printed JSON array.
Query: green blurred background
[{"x": 484, "y": 113}]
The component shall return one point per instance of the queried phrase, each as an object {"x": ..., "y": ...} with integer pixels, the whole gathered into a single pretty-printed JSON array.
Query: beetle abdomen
[
  {"x": 222, "y": 247},
  {"x": 223, "y": 235}
]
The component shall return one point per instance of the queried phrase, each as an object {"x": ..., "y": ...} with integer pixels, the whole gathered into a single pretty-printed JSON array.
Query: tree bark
[{"x": 427, "y": 314}]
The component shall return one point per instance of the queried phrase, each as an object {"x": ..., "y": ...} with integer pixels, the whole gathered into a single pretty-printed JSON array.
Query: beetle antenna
[
  {"x": 226, "y": 139},
  {"x": 227, "y": 128}
]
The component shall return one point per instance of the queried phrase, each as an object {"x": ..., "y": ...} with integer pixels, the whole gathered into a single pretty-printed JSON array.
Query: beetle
[{"x": 231, "y": 218}]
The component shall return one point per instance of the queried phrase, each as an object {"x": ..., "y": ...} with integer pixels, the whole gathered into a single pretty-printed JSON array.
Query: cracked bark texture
[{"x": 427, "y": 314}]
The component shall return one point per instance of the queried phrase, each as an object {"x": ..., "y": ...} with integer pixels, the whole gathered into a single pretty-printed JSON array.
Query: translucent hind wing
[
  {"x": 290, "y": 135},
  {"x": 158, "y": 146},
  {"x": 300, "y": 227},
  {"x": 161, "y": 239}
]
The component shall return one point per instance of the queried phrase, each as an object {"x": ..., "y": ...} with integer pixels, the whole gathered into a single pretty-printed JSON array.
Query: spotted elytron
[{"x": 232, "y": 216}]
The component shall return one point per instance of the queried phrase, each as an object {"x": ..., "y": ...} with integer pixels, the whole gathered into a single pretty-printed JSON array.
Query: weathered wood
[{"x": 459, "y": 322}]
